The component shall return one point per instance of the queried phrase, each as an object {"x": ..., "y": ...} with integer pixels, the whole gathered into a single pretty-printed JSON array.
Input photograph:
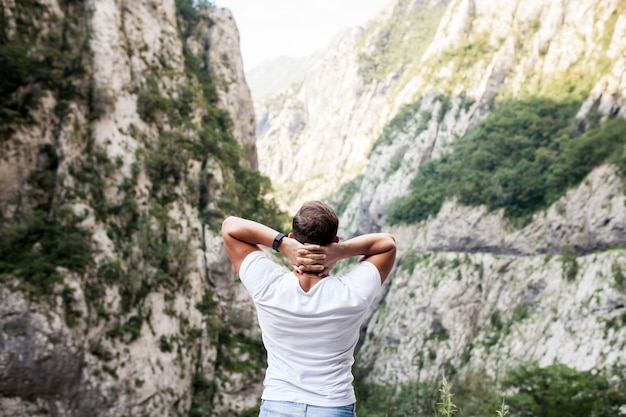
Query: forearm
[
  {"x": 366, "y": 245},
  {"x": 242, "y": 236},
  {"x": 248, "y": 231}
]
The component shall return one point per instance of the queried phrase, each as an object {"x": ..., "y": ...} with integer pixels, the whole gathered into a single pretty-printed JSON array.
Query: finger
[
  {"x": 311, "y": 268},
  {"x": 306, "y": 251},
  {"x": 310, "y": 260},
  {"x": 314, "y": 256},
  {"x": 314, "y": 248},
  {"x": 311, "y": 246}
]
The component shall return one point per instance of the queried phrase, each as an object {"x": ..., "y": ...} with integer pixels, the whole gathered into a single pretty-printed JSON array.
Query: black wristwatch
[{"x": 277, "y": 240}]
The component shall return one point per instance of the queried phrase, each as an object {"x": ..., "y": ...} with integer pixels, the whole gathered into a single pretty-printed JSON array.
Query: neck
[
  {"x": 307, "y": 281},
  {"x": 305, "y": 275}
]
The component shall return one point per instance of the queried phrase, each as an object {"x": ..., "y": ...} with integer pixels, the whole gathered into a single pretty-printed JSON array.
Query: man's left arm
[{"x": 242, "y": 237}]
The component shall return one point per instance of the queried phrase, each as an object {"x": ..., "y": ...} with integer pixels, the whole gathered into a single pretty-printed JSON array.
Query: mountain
[{"x": 270, "y": 77}]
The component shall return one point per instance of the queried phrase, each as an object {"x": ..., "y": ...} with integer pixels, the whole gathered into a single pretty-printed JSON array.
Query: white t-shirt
[{"x": 309, "y": 336}]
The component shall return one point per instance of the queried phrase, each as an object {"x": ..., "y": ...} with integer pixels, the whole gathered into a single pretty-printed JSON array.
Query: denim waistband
[{"x": 271, "y": 408}]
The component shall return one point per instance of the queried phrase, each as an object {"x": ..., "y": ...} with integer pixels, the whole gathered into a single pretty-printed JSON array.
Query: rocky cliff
[
  {"x": 127, "y": 133},
  {"x": 473, "y": 290}
]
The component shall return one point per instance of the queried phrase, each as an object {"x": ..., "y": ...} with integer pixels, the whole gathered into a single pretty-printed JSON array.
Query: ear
[
  {"x": 290, "y": 235},
  {"x": 336, "y": 239}
]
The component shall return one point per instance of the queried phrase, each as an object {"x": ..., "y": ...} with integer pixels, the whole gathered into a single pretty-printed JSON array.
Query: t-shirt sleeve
[
  {"x": 258, "y": 272},
  {"x": 365, "y": 279}
]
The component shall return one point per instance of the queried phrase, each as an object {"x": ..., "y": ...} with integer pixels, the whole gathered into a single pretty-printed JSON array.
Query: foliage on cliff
[
  {"x": 400, "y": 41},
  {"x": 42, "y": 234},
  {"x": 521, "y": 159},
  {"x": 92, "y": 236}
]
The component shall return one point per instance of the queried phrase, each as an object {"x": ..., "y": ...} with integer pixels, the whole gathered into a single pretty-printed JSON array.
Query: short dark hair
[{"x": 316, "y": 222}]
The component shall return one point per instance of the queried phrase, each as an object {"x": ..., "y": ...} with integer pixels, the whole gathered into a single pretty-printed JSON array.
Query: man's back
[
  {"x": 310, "y": 324},
  {"x": 309, "y": 336}
]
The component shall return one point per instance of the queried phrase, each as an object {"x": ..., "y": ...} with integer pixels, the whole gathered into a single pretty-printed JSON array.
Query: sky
[{"x": 273, "y": 28}]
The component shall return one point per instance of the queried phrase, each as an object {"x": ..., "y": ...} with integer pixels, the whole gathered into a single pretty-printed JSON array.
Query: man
[{"x": 309, "y": 320}]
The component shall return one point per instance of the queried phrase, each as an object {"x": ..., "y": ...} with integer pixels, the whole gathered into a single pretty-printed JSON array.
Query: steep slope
[
  {"x": 476, "y": 292},
  {"x": 119, "y": 158},
  {"x": 275, "y": 75}
]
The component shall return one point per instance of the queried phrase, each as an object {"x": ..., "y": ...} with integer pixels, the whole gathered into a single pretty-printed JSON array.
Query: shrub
[
  {"x": 553, "y": 391},
  {"x": 407, "y": 399},
  {"x": 35, "y": 246},
  {"x": 558, "y": 390},
  {"x": 344, "y": 195}
]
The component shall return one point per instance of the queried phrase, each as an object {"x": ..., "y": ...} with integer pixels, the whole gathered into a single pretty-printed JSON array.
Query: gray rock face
[
  {"x": 135, "y": 343},
  {"x": 316, "y": 135},
  {"x": 226, "y": 66},
  {"x": 42, "y": 361},
  {"x": 553, "y": 283},
  {"x": 484, "y": 312}
]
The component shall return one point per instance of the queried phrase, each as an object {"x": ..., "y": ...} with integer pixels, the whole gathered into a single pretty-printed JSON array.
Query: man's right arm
[{"x": 376, "y": 248}]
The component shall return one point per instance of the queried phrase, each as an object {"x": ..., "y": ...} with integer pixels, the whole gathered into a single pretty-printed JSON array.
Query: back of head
[{"x": 316, "y": 222}]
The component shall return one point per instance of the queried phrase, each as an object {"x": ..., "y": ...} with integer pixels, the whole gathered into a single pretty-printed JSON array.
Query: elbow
[
  {"x": 227, "y": 225},
  {"x": 392, "y": 245}
]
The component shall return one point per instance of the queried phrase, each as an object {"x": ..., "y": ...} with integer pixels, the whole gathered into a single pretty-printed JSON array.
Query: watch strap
[{"x": 277, "y": 240}]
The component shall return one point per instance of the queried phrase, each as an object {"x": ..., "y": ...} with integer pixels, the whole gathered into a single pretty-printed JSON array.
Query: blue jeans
[{"x": 291, "y": 409}]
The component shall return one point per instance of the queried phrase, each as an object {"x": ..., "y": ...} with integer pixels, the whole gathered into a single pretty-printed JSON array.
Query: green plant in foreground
[
  {"x": 446, "y": 408},
  {"x": 503, "y": 411}
]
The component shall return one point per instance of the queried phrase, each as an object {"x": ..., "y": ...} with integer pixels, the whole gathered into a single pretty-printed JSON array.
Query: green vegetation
[
  {"x": 468, "y": 53},
  {"x": 570, "y": 267},
  {"x": 342, "y": 197},
  {"x": 409, "y": 261},
  {"x": 37, "y": 244},
  {"x": 42, "y": 235},
  {"x": 619, "y": 277},
  {"x": 521, "y": 159},
  {"x": 401, "y": 42},
  {"x": 244, "y": 193},
  {"x": 390, "y": 400},
  {"x": 231, "y": 345},
  {"x": 203, "y": 391},
  {"x": 531, "y": 391},
  {"x": 34, "y": 63},
  {"x": 558, "y": 390},
  {"x": 400, "y": 123}
]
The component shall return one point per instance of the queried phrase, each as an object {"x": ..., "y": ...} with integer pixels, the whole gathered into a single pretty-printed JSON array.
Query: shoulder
[
  {"x": 364, "y": 278},
  {"x": 257, "y": 270},
  {"x": 253, "y": 258},
  {"x": 363, "y": 269}
]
